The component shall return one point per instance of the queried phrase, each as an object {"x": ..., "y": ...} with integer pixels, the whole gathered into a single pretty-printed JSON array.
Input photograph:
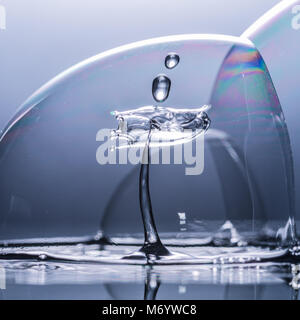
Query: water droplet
[
  {"x": 182, "y": 289},
  {"x": 172, "y": 60},
  {"x": 161, "y": 87},
  {"x": 153, "y": 283}
]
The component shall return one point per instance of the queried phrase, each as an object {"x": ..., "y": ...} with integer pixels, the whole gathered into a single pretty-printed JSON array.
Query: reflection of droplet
[
  {"x": 172, "y": 60},
  {"x": 161, "y": 87}
]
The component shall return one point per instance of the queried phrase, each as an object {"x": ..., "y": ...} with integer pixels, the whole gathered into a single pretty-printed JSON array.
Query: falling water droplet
[
  {"x": 161, "y": 87},
  {"x": 172, "y": 60}
]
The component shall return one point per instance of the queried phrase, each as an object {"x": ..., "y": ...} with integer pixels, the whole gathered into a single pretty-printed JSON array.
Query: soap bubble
[
  {"x": 276, "y": 36},
  {"x": 230, "y": 186}
]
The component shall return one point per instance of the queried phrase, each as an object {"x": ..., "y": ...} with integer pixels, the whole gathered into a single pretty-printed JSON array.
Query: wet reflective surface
[{"x": 35, "y": 278}]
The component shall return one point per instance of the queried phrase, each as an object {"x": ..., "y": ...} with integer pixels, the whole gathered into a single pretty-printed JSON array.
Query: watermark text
[
  {"x": 2, "y": 17},
  {"x": 161, "y": 152},
  {"x": 296, "y": 17}
]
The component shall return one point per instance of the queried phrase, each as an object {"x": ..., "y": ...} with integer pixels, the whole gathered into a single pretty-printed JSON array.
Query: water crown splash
[{"x": 137, "y": 126}]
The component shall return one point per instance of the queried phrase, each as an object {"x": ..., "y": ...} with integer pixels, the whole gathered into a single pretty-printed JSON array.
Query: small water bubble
[
  {"x": 295, "y": 251},
  {"x": 258, "y": 259},
  {"x": 295, "y": 283},
  {"x": 153, "y": 283},
  {"x": 295, "y": 268},
  {"x": 161, "y": 87},
  {"x": 42, "y": 257},
  {"x": 241, "y": 260},
  {"x": 182, "y": 289},
  {"x": 231, "y": 260},
  {"x": 172, "y": 60},
  {"x": 195, "y": 275}
]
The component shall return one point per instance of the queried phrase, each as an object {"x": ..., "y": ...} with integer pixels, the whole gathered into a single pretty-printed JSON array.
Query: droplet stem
[{"x": 152, "y": 243}]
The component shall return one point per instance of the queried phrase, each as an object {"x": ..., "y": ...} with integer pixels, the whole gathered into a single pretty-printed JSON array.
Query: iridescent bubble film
[{"x": 276, "y": 36}]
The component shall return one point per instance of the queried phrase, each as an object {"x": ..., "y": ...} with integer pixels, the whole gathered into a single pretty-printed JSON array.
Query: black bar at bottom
[{"x": 142, "y": 309}]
